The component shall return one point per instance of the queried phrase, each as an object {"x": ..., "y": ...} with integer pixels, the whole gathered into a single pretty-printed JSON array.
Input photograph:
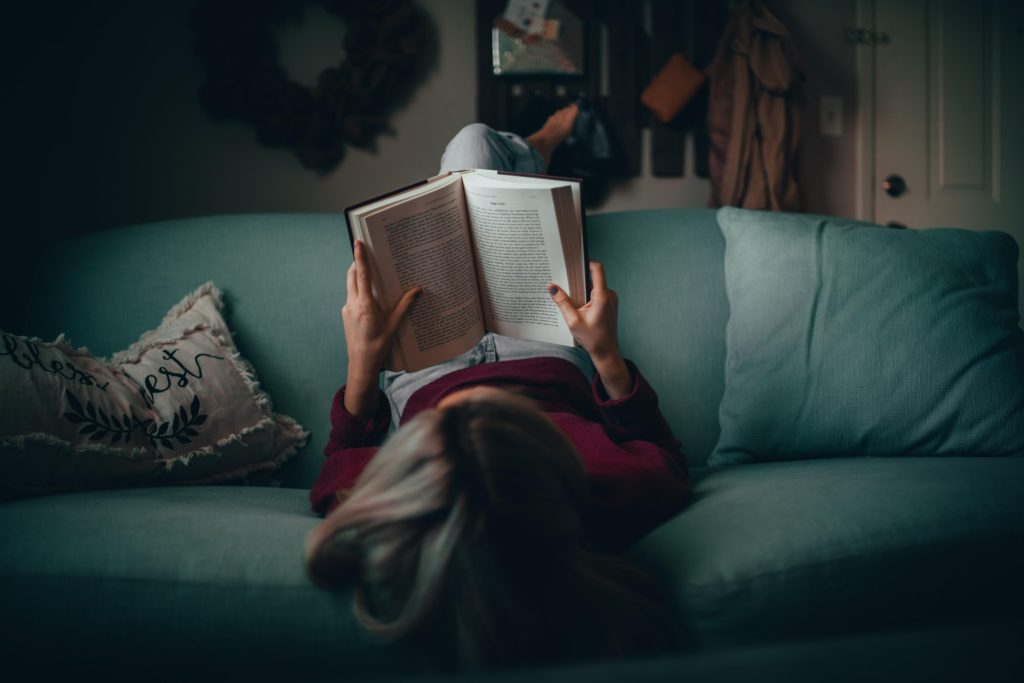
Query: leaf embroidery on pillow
[
  {"x": 98, "y": 425},
  {"x": 181, "y": 427}
]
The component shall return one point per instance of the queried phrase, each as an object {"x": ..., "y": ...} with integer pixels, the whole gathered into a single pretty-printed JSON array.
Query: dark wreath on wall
[{"x": 384, "y": 45}]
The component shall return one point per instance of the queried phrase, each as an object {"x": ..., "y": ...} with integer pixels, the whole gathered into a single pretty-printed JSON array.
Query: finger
[
  {"x": 564, "y": 304},
  {"x": 402, "y": 307},
  {"x": 362, "y": 270},
  {"x": 350, "y": 285},
  {"x": 597, "y": 276}
]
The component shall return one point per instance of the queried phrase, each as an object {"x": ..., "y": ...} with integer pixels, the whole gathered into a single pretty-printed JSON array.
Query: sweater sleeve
[
  {"x": 635, "y": 415},
  {"x": 351, "y": 445},
  {"x": 639, "y": 477}
]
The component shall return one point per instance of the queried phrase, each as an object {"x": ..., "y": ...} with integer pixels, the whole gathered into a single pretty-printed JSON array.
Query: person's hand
[
  {"x": 369, "y": 333},
  {"x": 595, "y": 326}
]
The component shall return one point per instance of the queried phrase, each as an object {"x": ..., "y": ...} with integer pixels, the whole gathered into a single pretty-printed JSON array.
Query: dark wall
[
  {"x": 104, "y": 128},
  {"x": 68, "y": 123}
]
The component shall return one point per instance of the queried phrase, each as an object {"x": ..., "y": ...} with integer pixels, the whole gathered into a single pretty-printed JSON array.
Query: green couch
[{"x": 187, "y": 581}]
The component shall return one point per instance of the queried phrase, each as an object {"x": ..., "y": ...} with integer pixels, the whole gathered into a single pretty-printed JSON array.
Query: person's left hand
[{"x": 369, "y": 330}]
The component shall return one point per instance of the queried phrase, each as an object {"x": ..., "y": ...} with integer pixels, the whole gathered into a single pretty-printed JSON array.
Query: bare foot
[{"x": 556, "y": 129}]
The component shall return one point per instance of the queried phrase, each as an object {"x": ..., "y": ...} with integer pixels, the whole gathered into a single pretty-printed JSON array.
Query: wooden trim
[
  {"x": 865, "y": 190},
  {"x": 624, "y": 101}
]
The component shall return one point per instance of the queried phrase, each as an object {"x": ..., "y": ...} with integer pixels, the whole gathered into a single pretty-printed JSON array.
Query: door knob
[{"x": 894, "y": 185}]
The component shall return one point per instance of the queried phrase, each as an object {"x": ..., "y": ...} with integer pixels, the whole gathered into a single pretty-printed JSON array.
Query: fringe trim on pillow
[
  {"x": 240, "y": 364},
  {"x": 301, "y": 438},
  {"x": 61, "y": 342},
  {"x": 133, "y": 352},
  {"x": 190, "y": 300},
  {"x": 284, "y": 423},
  {"x": 300, "y": 432},
  {"x": 248, "y": 373},
  {"x": 21, "y": 441},
  {"x": 184, "y": 459}
]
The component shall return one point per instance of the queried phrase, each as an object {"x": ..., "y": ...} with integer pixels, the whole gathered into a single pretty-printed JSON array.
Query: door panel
[
  {"x": 949, "y": 114},
  {"x": 961, "y": 52}
]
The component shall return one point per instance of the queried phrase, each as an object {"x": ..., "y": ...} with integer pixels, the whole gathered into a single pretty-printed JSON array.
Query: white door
[{"x": 948, "y": 115}]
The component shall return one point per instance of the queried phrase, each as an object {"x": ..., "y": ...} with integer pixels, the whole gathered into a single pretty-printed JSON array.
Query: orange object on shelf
[{"x": 672, "y": 88}]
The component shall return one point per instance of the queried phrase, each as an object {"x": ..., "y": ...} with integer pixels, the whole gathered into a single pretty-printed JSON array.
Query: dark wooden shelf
[{"x": 630, "y": 57}]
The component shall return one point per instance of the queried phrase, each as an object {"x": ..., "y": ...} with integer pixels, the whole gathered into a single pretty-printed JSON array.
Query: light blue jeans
[
  {"x": 400, "y": 386},
  {"x": 479, "y": 146}
]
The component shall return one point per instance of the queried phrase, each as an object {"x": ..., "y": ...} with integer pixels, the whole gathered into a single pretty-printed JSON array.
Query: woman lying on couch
[{"x": 489, "y": 518}]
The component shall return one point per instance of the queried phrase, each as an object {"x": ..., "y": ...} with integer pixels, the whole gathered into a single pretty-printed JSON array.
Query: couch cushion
[
  {"x": 805, "y": 548},
  {"x": 183, "y": 579},
  {"x": 848, "y": 338},
  {"x": 177, "y": 580}
]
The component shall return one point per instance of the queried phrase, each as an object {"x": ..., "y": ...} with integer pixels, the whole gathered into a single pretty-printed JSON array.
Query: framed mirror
[{"x": 558, "y": 49}]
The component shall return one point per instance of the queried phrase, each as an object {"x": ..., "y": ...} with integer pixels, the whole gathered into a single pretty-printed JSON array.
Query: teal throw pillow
[{"x": 847, "y": 338}]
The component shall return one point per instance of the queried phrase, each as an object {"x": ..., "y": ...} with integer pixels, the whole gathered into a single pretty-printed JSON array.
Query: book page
[
  {"x": 424, "y": 242},
  {"x": 570, "y": 224},
  {"x": 518, "y": 252},
  {"x": 543, "y": 181}
]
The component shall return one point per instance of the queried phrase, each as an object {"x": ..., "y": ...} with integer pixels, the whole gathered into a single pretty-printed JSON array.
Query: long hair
[{"x": 470, "y": 518}]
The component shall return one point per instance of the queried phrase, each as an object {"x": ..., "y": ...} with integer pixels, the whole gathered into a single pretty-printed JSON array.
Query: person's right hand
[
  {"x": 370, "y": 333},
  {"x": 595, "y": 326}
]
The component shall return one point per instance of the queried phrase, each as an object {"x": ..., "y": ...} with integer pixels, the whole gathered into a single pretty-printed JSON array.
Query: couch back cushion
[
  {"x": 283, "y": 280},
  {"x": 282, "y": 277},
  {"x": 667, "y": 268},
  {"x": 847, "y": 338}
]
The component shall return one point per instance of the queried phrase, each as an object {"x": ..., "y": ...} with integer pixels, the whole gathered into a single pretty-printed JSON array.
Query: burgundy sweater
[{"x": 636, "y": 473}]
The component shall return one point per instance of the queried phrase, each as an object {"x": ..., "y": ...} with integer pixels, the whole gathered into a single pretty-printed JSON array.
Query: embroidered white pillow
[{"x": 179, "y": 406}]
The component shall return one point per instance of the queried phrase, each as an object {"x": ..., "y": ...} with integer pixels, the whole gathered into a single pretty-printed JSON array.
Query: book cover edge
[{"x": 353, "y": 207}]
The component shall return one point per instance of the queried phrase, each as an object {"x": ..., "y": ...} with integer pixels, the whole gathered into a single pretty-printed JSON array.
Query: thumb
[
  {"x": 563, "y": 302},
  {"x": 402, "y": 307}
]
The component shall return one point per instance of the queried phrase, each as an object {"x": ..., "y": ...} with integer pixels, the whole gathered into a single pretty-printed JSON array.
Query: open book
[{"x": 483, "y": 245}]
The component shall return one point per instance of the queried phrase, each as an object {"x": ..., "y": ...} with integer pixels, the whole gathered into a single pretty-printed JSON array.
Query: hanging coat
[{"x": 753, "y": 122}]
